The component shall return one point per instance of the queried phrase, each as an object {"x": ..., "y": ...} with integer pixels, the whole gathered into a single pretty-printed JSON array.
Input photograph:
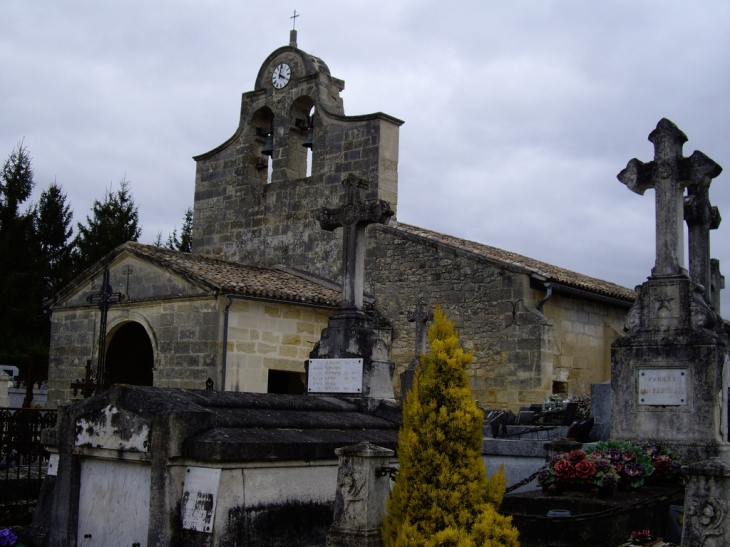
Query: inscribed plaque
[
  {"x": 335, "y": 376},
  {"x": 199, "y": 498},
  {"x": 663, "y": 386}
]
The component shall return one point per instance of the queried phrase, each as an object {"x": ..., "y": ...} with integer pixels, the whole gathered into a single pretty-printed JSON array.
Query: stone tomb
[
  {"x": 166, "y": 467},
  {"x": 667, "y": 373}
]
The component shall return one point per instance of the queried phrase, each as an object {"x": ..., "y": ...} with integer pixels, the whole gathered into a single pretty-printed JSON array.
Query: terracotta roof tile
[
  {"x": 231, "y": 278},
  {"x": 552, "y": 273}
]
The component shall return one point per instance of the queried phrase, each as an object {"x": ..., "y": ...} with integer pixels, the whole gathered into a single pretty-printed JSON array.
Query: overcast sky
[{"x": 519, "y": 114}]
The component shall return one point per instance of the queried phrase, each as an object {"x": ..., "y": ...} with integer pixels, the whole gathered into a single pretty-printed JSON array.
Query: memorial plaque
[
  {"x": 663, "y": 386},
  {"x": 199, "y": 498},
  {"x": 335, "y": 376}
]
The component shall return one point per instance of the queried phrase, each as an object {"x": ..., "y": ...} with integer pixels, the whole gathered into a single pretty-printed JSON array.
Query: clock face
[{"x": 281, "y": 76}]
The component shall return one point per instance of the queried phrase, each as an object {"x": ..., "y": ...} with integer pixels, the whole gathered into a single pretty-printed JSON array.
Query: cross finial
[{"x": 294, "y": 20}]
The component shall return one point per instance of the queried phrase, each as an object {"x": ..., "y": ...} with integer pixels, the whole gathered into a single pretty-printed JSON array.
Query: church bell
[
  {"x": 308, "y": 140},
  {"x": 268, "y": 149}
]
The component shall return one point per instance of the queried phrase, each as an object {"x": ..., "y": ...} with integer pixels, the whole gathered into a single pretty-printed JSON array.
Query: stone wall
[
  {"x": 583, "y": 332},
  {"x": 520, "y": 355},
  {"x": 511, "y": 342},
  {"x": 186, "y": 336},
  {"x": 73, "y": 337},
  {"x": 241, "y": 217},
  {"x": 266, "y": 335}
]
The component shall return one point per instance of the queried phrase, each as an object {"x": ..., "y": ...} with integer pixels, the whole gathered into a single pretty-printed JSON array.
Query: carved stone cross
[
  {"x": 420, "y": 317},
  {"x": 104, "y": 299},
  {"x": 669, "y": 174},
  {"x": 353, "y": 217},
  {"x": 701, "y": 217}
]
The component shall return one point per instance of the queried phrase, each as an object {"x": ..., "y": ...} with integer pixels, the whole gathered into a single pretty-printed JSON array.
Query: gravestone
[
  {"x": 421, "y": 317},
  {"x": 350, "y": 359},
  {"x": 601, "y": 411},
  {"x": 717, "y": 283},
  {"x": 667, "y": 372},
  {"x": 707, "y": 504},
  {"x": 363, "y": 489},
  {"x": 701, "y": 217}
]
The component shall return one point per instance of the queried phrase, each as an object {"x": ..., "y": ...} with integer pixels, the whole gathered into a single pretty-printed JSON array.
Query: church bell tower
[{"x": 258, "y": 193}]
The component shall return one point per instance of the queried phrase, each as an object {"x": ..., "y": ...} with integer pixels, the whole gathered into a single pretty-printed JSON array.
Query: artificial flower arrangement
[
  {"x": 644, "y": 538},
  {"x": 636, "y": 465},
  {"x": 8, "y": 537},
  {"x": 577, "y": 470},
  {"x": 667, "y": 465}
]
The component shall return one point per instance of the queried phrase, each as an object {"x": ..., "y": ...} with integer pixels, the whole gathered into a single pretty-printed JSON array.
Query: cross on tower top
[
  {"x": 669, "y": 173},
  {"x": 294, "y": 20}
]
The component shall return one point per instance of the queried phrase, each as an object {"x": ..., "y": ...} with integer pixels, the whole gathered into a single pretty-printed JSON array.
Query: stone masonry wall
[
  {"x": 583, "y": 332},
  {"x": 266, "y": 335},
  {"x": 511, "y": 344},
  {"x": 240, "y": 217},
  {"x": 185, "y": 336}
]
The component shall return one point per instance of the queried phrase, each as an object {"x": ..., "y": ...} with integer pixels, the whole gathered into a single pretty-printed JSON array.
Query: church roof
[
  {"x": 522, "y": 263},
  {"x": 232, "y": 278},
  {"x": 219, "y": 276}
]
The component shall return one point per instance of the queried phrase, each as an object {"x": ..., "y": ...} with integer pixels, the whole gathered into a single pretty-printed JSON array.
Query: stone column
[
  {"x": 362, "y": 492},
  {"x": 706, "y": 503}
]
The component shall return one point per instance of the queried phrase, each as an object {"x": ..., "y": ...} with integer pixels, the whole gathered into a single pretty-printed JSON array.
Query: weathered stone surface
[
  {"x": 362, "y": 493},
  {"x": 706, "y": 518},
  {"x": 670, "y": 326},
  {"x": 291, "y": 439}
]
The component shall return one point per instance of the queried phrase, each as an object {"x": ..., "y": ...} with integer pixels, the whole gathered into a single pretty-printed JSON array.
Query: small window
[
  {"x": 286, "y": 382},
  {"x": 560, "y": 387}
]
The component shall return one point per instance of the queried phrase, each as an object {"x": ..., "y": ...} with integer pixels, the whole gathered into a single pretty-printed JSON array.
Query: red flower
[
  {"x": 576, "y": 456},
  {"x": 641, "y": 535},
  {"x": 585, "y": 469},
  {"x": 661, "y": 464},
  {"x": 618, "y": 467},
  {"x": 564, "y": 469}
]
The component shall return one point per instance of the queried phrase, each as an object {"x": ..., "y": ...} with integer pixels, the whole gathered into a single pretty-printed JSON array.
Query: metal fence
[{"x": 23, "y": 461}]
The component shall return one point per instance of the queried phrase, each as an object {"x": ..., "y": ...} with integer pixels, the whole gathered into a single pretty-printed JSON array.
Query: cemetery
[{"x": 176, "y": 460}]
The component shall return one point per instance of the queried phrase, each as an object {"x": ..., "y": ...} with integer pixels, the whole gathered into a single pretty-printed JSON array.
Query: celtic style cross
[
  {"x": 669, "y": 174},
  {"x": 354, "y": 216},
  {"x": 420, "y": 317},
  {"x": 701, "y": 217},
  {"x": 104, "y": 299}
]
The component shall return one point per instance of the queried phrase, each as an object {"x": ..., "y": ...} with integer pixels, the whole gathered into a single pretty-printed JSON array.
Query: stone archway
[{"x": 129, "y": 356}]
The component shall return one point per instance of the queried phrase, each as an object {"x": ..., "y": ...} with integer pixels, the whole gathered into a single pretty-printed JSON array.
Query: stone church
[{"x": 247, "y": 306}]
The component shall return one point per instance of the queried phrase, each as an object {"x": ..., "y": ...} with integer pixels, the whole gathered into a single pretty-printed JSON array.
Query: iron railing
[{"x": 23, "y": 461}]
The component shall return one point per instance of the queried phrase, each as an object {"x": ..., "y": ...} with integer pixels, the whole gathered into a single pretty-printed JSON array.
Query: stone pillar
[
  {"x": 706, "y": 503},
  {"x": 362, "y": 492}
]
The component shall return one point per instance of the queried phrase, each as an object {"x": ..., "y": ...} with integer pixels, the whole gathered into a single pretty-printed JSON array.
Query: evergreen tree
[
  {"x": 24, "y": 327},
  {"x": 113, "y": 222},
  {"x": 186, "y": 234},
  {"x": 16, "y": 184},
  {"x": 53, "y": 232},
  {"x": 185, "y": 243},
  {"x": 442, "y": 496}
]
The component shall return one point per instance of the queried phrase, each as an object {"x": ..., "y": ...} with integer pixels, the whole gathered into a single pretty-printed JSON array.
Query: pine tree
[
  {"x": 53, "y": 232},
  {"x": 186, "y": 234},
  {"x": 442, "y": 496},
  {"x": 185, "y": 243},
  {"x": 114, "y": 222},
  {"x": 24, "y": 327}
]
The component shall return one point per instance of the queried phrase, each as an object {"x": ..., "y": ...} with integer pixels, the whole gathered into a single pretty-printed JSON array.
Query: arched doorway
[{"x": 129, "y": 356}]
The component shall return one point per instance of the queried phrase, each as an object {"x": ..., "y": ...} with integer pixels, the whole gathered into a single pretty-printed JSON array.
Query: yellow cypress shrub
[{"x": 441, "y": 496}]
